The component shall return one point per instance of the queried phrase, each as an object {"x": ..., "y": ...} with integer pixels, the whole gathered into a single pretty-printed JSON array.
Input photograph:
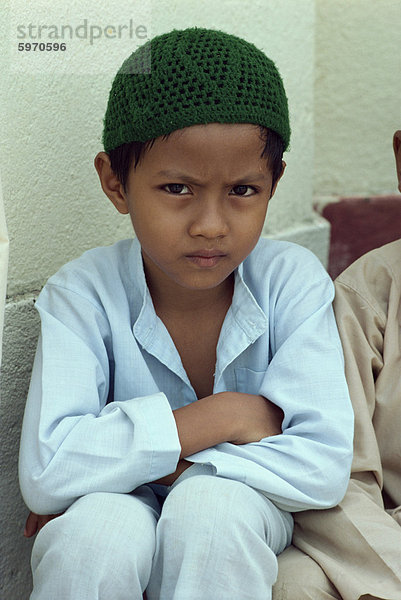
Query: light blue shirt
[{"x": 107, "y": 377}]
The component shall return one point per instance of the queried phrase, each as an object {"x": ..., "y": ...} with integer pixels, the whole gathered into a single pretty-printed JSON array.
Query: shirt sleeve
[
  {"x": 73, "y": 441},
  {"x": 358, "y": 544},
  {"x": 308, "y": 465}
]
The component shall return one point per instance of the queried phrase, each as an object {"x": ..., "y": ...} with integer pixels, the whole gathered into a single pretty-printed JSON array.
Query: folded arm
[{"x": 308, "y": 466}]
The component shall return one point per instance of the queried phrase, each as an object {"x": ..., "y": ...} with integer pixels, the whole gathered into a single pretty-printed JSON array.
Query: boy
[
  {"x": 188, "y": 389},
  {"x": 356, "y": 547}
]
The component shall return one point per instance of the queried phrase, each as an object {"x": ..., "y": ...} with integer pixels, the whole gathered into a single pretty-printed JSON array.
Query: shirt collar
[
  {"x": 246, "y": 318},
  {"x": 149, "y": 331}
]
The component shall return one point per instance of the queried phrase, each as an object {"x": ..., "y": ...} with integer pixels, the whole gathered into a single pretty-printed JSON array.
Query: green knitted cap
[{"x": 193, "y": 76}]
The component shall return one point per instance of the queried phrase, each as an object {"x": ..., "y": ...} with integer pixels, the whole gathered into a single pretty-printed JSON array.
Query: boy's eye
[
  {"x": 176, "y": 188},
  {"x": 243, "y": 190}
]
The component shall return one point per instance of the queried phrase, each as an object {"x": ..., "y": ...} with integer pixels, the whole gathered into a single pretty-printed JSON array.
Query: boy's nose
[{"x": 210, "y": 219}]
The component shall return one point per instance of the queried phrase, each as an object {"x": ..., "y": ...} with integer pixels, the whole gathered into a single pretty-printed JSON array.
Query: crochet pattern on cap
[{"x": 191, "y": 77}]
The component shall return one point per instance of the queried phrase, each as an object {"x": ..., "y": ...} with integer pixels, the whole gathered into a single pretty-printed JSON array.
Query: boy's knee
[
  {"x": 99, "y": 530},
  {"x": 210, "y": 526},
  {"x": 200, "y": 498},
  {"x": 300, "y": 577},
  {"x": 220, "y": 506},
  {"x": 196, "y": 506},
  {"x": 120, "y": 515}
]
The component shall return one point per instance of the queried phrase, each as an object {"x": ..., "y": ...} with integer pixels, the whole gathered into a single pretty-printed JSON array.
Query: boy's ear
[
  {"x": 110, "y": 183},
  {"x": 397, "y": 154},
  {"x": 283, "y": 166}
]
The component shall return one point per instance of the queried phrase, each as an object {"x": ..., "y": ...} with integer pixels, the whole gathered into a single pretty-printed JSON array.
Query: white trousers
[{"x": 214, "y": 539}]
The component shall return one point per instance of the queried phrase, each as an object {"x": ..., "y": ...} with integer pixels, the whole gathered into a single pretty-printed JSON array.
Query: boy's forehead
[
  {"x": 223, "y": 133},
  {"x": 207, "y": 148},
  {"x": 213, "y": 138}
]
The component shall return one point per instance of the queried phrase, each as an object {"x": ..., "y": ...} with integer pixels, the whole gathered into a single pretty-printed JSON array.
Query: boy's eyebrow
[
  {"x": 175, "y": 174},
  {"x": 171, "y": 174}
]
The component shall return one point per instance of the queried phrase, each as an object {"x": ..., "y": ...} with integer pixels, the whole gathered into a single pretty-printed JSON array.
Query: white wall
[{"x": 357, "y": 95}]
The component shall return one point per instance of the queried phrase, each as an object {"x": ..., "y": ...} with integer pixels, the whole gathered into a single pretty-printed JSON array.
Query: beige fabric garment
[
  {"x": 3, "y": 265},
  {"x": 358, "y": 543}
]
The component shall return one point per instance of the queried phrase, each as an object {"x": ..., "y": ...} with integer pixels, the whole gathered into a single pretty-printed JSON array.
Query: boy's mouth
[{"x": 206, "y": 258}]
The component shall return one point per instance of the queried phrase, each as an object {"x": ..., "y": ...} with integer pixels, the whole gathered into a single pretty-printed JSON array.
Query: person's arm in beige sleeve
[{"x": 358, "y": 544}]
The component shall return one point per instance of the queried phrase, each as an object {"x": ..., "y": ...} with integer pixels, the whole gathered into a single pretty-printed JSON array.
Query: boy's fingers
[
  {"x": 31, "y": 525},
  {"x": 43, "y": 519},
  {"x": 34, "y": 523}
]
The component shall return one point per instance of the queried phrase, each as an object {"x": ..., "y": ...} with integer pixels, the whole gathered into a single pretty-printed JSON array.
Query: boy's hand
[
  {"x": 34, "y": 523},
  {"x": 255, "y": 418},
  {"x": 169, "y": 479}
]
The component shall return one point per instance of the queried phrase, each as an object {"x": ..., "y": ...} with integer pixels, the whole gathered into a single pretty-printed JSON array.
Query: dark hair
[{"x": 122, "y": 157}]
